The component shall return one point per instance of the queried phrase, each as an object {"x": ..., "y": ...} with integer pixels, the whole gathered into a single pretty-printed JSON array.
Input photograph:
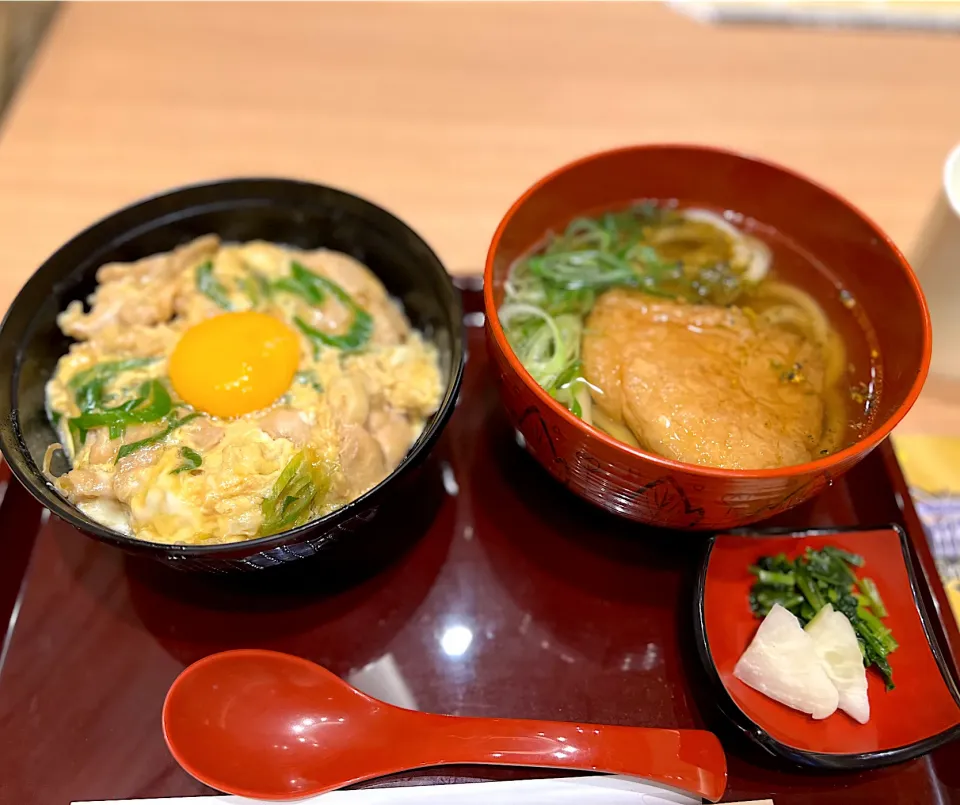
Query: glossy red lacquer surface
[
  {"x": 651, "y": 489},
  {"x": 920, "y": 689},
  {"x": 497, "y": 593},
  {"x": 268, "y": 725}
]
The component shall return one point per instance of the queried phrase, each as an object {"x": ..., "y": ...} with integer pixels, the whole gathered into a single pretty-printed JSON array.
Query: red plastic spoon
[{"x": 267, "y": 725}]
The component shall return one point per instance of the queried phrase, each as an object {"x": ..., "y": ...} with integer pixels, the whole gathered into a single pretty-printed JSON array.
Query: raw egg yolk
[{"x": 234, "y": 363}]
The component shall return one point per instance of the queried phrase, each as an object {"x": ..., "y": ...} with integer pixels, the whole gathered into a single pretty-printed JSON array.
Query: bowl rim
[
  {"x": 820, "y": 465},
  {"x": 14, "y": 450}
]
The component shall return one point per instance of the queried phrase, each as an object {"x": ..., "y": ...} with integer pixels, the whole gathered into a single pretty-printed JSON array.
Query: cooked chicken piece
[
  {"x": 202, "y": 433},
  {"x": 285, "y": 423},
  {"x": 136, "y": 341},
  {"x": 103, "y": 449},
  {"x": 393, "y": 433},
  {"x": 134, "y": 293},
  {"x": 406, "y": 378},
  {"x": 361, "y": 460},
  {"x": 135, "y": 471},
  {"x": 87, "y": 482},
  {"x": 159, "y": 266},
  {"x": 147, "y": 311},
  {"x": 144, "y": 457},
  {"x": 240, "y": 517},
  {"x": 348, "y": 399},
  {"x": 330, "y": 316},
  {"x": 134, "y": 433},
  {"x": 704, "y": 384},
  {"x": 74, "y": 322},
  {"x": 390, "y": 326},
  {"x": 192, "y": 308},
  {"x": 242, "y": 469},
  {"x": 354, "y": 277}
]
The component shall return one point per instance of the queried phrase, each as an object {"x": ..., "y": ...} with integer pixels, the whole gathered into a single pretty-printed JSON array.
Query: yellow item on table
[
  {"x": 931, "y": 467},
  {"x": 930, "y": 463}
]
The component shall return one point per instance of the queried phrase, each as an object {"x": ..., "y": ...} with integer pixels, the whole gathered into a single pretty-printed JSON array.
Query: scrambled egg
[{"x": 220, "y": 392}]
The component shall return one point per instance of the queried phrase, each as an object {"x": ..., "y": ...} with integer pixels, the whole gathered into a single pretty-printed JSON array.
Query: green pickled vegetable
[
  {"x": 773, "y": 577},
  {"x": 853, "y": 559},
  {"x": 869, "y": 589},
  {"x": 809, "y": 588},
  {"x": 804, "y": 585}
]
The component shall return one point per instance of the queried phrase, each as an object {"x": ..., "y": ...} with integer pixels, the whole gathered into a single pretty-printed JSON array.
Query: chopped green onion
[
  {"x": 303, "y": 283},
  {"x": 256, "y": 287},
  {"x": 127, "y": 449},
  {"x": 577, "y": 270},
  {"x": 151, "y": 392},
  {"x": 292, "y": 499},
  {"x": 211, "y": 287},
  {"x": 107, "y": 370},
  {"x": 361, "y": 327},
  {"x": 88, "y": 385},
  {"x": 316, "y": 286},
  {"x": 546, "y": 345},
  {"x": 191, "y": 461},
  {"x": 291, "y": 286}
]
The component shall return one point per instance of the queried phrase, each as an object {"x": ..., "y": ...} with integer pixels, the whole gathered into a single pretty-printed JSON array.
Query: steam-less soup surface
[
  {"x": 223, "y": 392},
  {"x": 696, "y": 335}
]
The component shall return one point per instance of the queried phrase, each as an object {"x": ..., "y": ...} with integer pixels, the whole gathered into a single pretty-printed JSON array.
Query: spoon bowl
[{"x": 271, "y": 726}]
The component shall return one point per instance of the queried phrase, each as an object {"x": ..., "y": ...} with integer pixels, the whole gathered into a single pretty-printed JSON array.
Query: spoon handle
[{"x": 691, "y": 760}]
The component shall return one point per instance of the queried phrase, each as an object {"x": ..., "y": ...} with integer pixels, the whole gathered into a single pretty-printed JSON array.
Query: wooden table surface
[{"x": 444, "y": 113}]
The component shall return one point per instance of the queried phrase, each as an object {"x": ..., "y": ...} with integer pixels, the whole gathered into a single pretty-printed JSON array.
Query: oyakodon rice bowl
[
  {"x": 262, "y": 366},
  {"x": 223, "y": 392}
]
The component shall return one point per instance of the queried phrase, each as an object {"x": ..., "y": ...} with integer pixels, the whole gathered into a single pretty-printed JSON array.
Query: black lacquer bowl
[{"x": 284, "y": 211}]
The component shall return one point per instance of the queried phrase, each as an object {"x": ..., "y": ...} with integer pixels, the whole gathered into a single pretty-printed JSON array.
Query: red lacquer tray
[{"x": 491, "y": 591}]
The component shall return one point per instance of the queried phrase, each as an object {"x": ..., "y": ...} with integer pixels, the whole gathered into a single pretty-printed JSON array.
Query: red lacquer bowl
[{"x": 649, "y": 488}]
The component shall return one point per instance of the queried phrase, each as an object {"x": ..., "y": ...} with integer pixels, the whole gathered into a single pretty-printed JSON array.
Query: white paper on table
[
  {"x": 938, "y": 16},
  {"x": 608, "y": 790}
]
